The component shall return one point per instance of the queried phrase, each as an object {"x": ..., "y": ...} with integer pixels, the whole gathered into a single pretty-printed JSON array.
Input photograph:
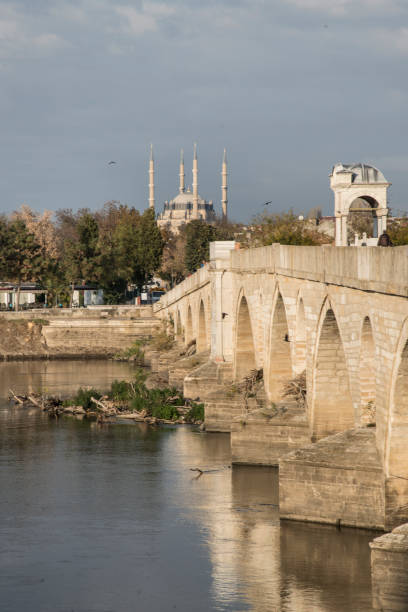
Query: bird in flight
[
  {"x": 266, "y": 203},
  {"x": 111, "y": 162}
]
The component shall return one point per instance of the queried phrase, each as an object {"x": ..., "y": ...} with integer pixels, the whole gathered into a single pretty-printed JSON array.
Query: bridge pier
[
  {"x": 267, "y": 433},
  {"x": 389, "y": 570},
  {"x": 337, "y": 480}
]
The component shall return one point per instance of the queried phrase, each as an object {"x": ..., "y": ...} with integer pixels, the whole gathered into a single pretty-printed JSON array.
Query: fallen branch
[
  {"x": 16, "y": 397},
  {"x": 101, "y": 405},
  {"x": 35, "y": 402}
]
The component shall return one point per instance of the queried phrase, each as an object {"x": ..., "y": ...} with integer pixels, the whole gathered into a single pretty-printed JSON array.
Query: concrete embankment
[{"x": 65, "y": 333}]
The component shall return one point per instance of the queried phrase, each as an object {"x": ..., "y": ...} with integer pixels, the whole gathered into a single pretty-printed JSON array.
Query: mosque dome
[
  {"x": 362, "y": 173},
  {"x": 185, "y": 197}
]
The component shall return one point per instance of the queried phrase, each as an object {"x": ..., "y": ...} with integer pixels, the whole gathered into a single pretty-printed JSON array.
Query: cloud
[
  {"x": 69, "y": 12},
  {"x": 19, "y": 36},
  {"x": 343, "y": 7},
  {"x": 396, "y": 39},
  {"x": 146, "y": 20}
]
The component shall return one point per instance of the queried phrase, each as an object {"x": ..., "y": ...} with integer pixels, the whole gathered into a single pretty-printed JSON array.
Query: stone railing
[
  {"x": 384, "y": 270},
  {"x": 192, "y": 283}
]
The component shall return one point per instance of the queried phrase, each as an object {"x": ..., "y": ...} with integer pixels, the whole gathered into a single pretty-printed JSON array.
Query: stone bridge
[{"x": 338, "y": 314}]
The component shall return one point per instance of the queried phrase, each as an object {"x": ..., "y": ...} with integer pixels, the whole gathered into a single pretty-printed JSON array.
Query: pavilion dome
[{"x": 362, "y": 173}]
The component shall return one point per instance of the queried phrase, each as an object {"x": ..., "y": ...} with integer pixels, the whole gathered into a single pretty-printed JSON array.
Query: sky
[{"x": 289, "y": 87}]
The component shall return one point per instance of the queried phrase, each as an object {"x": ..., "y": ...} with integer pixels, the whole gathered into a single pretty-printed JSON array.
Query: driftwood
[
  {"x": 100, "y": 404},
  {"x": 34, "y": 401},
  {"x": 16, "y": 398},
  {"x": 104, "y": 409},
  {"x": 135, "y": 416}
]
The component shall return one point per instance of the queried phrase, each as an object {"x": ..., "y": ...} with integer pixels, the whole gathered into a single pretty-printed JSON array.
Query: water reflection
[
  {"x": 61, "y": 377},
  {"x": 257, "y": 562},
  {"x": 111, "y": 518}
]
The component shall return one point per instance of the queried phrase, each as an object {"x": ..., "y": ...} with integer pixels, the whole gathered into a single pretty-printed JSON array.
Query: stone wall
[{"x": 73, "y": 333}]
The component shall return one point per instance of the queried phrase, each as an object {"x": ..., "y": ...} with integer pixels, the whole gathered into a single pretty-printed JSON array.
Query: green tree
[
  {"x": 150, "y": 247},
  {"x": 139, "y": 247},
  {"x": 22, "y": 259},
  {"x": 199, "y": 234},
  {"x": 83, "y": 256}
]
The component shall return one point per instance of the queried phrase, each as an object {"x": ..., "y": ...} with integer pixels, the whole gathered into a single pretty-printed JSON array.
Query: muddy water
[{"x": 111, "y": 519}]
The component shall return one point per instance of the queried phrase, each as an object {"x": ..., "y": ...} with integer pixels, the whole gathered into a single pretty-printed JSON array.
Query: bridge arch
[
  {"x": 299, "y": 364},
  {"x": 244, "y": 341},
  {"x": 332, "y": 408},
  {"x": 202, "y": 328},
  {"x": 178, "y": 325},
  {"x": 189, "y": 334},
  {"x": 367, "y": 369},
  {"x": 397, "y": 448},
  {"x": 279, "y": 368}
]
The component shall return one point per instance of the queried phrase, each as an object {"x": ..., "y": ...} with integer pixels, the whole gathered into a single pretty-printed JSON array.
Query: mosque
[{"x": 188, "y": 204}]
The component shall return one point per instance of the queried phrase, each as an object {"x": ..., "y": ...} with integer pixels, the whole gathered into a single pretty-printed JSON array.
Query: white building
[{"x": 359, "y": 188}]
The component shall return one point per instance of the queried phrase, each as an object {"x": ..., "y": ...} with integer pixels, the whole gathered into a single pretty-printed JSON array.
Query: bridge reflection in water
[{"x": 258, "y": 561}]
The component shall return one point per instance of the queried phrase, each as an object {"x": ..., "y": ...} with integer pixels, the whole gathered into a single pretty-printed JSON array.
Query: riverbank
[{"x": 73, "y": 334}]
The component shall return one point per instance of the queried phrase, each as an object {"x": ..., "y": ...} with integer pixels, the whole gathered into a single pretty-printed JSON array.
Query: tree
[
  {"x": 284, "y": 228},
  {"x": 45, "y": 233},
  {"x": 398, "y": 231},
  {"x": 82, "y": 257},
  {"x": 42, "y": 228},
  {"x": 139, "y": 247},
  {"x": 199, "y": 234},
  {"x": 173, "y": 268},
  {"x": 22, "y": 259},
  {"x": 149, "y": 248}
]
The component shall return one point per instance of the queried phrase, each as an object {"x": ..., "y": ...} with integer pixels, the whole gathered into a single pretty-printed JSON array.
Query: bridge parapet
[
  {"x": 369, "y": 269},
  {"x": 192, "y": 283}
]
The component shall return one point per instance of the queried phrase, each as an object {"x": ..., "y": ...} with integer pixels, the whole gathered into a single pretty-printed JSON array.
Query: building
[
  {"x": 87, "y": 295},
  {"x": 30, "y": 295},
  {"x": 188, "y": 204},
  {"x": 359, "y": 188}
]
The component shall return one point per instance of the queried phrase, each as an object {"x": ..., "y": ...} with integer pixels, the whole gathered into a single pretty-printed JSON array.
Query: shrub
[
  {"x": 165, "y": 412},
  {"x": 196, "y": 412},
  {"x": 83, "y": 398},
  {"x": 135, "y": 352},
  {"x": 120, "y": 390}
]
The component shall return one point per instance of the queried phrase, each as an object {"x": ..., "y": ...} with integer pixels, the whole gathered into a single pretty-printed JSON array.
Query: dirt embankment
[{"x": 22, "y": 339}]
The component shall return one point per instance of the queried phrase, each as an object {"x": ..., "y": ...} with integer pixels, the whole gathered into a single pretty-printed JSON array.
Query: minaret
[
  {"x": 195, "y": 184},
  {"x": 224, "y": 187},
  {"x": 182, "y": 175},
  {"x": 151, "y": 178}
]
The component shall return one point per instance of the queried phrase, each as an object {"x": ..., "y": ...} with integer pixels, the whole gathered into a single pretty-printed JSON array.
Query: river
[{"x": 111, "y": 519}]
